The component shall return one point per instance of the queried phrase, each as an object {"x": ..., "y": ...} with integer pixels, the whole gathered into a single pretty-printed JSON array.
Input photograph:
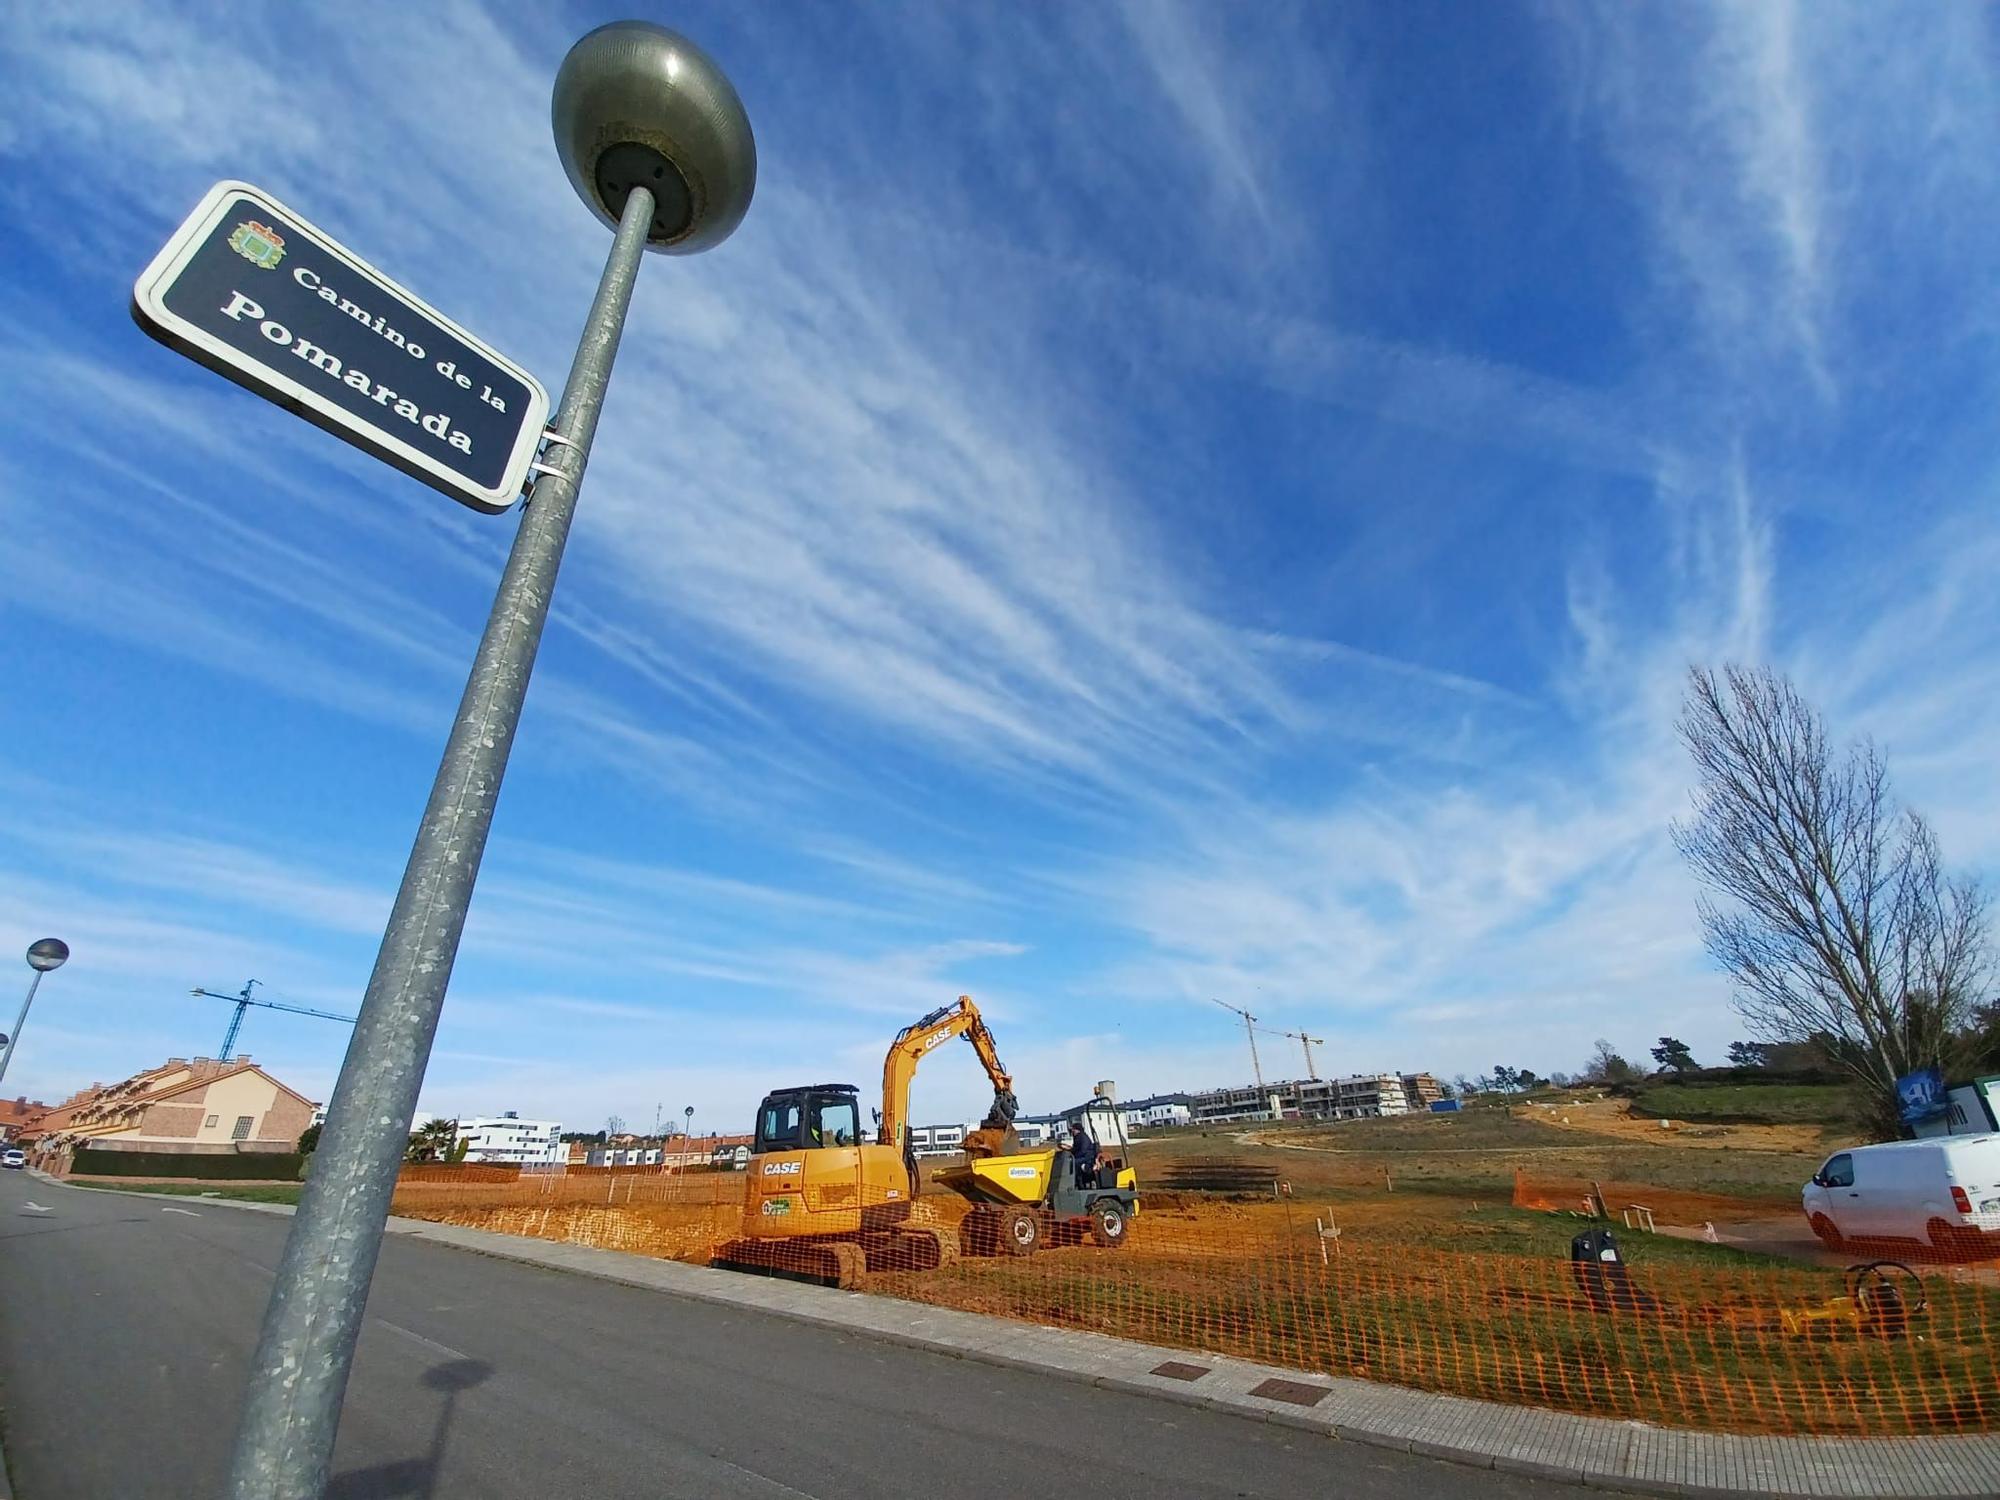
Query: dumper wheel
[
  {"x": 848, "y": 1262},
  {"x": 1020, "y": 1231},
  {"x": 1108, "y": 1224}
]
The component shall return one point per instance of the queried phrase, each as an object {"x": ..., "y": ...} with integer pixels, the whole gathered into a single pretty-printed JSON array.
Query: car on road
[
  {"x": 1943, "y": 1191},
  {"x": 13, "y": 1157}
]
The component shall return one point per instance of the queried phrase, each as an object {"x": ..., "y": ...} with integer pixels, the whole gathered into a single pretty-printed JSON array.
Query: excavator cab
[{"x": 809, "y": 1119}]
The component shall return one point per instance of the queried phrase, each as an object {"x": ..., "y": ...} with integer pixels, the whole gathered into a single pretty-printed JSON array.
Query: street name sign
[{"x": 260, "y": 296}]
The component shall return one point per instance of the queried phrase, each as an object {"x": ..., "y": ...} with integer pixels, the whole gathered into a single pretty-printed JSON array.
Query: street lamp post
[
  {"x": 687, "y": 1149},
  {"x": 655, "y": 141},
  {"x": 45, "y": 956}
]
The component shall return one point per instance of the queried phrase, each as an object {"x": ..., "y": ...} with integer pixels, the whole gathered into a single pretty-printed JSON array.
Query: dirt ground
[{"x": 1614, "y": 1118}]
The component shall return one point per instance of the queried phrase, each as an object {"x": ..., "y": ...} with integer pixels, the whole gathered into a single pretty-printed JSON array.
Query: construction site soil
[{"x": 1438, "y": 1260}]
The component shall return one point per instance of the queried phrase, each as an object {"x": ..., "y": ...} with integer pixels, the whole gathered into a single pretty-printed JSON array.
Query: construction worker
[{"x": 1083, "y": 1153}]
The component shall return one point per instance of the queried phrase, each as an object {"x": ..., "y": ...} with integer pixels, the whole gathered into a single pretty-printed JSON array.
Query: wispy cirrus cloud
[{"x": 1153, "y": 502}]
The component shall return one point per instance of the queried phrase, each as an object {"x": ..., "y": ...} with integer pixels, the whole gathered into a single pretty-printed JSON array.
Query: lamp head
[{"x": 638, "y": 104}]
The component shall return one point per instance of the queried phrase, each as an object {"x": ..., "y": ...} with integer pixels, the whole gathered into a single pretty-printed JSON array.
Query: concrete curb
[{"x": 1595, "y": 1451}]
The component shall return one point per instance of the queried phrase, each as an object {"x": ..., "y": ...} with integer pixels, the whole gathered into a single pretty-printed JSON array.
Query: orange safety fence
[
  {"x": 457, "y": 1172},
  {"x": 1422, "y": 1290},
  {"x": 1621, "y": 1201},
  {"x": 422, "y": 1185}
]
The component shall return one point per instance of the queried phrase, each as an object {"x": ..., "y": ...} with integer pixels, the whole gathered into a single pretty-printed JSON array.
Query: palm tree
[{"x": 433, "y": 1140}]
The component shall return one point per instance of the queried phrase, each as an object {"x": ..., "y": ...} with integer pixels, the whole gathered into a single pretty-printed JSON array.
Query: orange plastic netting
[{"x": 1425, "y": 1290}]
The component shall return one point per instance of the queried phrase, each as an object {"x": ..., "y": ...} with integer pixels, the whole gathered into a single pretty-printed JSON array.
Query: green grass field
[
  {"x": 1471, "y": 1154},
  {"x": 1746, "y": 1103},
  {"x": 1501, "y": 1230}
]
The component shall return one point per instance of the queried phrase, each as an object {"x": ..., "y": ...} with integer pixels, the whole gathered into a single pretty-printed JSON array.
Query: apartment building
[
  {"x": 1157, "y": 1112},
  {"x": 507, "y": 1139},
  {"x": 938, "y": 1140},
  {"x": 192, "y": 1106},
  {"x": 1359, "y": 1096}
]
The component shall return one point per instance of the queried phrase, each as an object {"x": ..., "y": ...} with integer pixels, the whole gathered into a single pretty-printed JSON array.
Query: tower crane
[
  {"x": 1249, "y": 1030},
  {"x": 1307, "y": 1043},
  {"x": 243, "y": 1000}
]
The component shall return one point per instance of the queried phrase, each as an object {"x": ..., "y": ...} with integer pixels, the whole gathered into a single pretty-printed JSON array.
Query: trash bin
[{"x": 1601, "y": 1275}]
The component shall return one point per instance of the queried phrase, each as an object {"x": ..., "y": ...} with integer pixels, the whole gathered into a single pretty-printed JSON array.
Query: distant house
[
  {"x": 938, "y": 1140},
  {"x": 673, "y": 1152},
  {"x": 190, "y": 1106},
  {"x": 1040, "y": 1130},
  {"x": 17, "y": 1114}
]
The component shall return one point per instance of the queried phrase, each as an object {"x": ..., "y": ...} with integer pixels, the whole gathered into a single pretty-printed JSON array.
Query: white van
[{"x": 1944, "y": 1191}]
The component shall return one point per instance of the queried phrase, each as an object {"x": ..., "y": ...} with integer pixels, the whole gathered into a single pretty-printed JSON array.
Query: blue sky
[{"x": 1154, "y": 503}]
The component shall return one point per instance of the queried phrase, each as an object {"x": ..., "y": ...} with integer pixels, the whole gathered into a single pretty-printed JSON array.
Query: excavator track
[
  {"x": 835, "y": 1263},
  {"x": 911, "y": 1249}
]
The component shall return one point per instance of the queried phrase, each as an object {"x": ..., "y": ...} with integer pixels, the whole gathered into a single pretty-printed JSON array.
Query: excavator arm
[{"x": 917, "y": 1041}]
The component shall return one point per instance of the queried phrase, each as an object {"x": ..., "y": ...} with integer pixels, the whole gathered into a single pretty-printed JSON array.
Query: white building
[
  {"x": 508, "y": 1139},
  {"x": 1154, "y": 1116},
  {"x": 938, "y": 1140},
  {"x": 1360, "y": 1096}
]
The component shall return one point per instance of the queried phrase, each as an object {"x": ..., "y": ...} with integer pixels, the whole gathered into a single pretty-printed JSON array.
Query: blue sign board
[
  {"x": 259, "y": 295},
  {"x": 1920, "y": 1096}
]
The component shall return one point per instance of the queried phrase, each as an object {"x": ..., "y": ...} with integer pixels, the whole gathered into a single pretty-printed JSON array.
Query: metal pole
[
  {"x": 291, "y": 1411},
  {"x": 21, "y": 1020},
  {"x": 1250, "y": 1030}
]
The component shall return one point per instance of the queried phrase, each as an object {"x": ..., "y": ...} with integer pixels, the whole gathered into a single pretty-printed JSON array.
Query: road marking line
[
  {"x": 188, "y": 1211},
  {"x": 36, "y": 1208},
  {"x": 776, "y": 1484},
  {"x": 411, "y": 1333}
]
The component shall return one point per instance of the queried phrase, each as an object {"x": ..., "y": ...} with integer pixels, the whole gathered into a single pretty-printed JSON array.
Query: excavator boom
[{"x": 917, "y": 1041}]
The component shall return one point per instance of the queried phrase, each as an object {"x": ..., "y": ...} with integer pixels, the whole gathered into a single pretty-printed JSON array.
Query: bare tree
[
  {"x": 1606, "y": 1066},
  {"x": 1827, "y": 903}
]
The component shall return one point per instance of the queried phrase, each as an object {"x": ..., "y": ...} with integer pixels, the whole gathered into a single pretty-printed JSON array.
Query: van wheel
[
  {"x": 1829, "y": 1235},
  {"x": 1945, "y": 1240}
]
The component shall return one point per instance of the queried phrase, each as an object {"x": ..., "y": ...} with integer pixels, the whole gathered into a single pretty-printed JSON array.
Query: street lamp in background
[
  {"x": 45, "y": 956},
  {"x": 656, "y": 143},
  {"x": 687, "y": 1137}
]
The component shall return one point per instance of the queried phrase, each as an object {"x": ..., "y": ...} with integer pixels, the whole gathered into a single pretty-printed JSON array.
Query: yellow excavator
[{"x": 825, "y": 1203}]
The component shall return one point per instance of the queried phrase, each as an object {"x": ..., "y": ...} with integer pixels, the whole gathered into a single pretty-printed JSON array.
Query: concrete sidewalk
[{"x": 1594, "y": 1451}]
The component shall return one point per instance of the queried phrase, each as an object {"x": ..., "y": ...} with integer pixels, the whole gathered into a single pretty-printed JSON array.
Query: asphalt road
[{"x": 126, "y": 1326}]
